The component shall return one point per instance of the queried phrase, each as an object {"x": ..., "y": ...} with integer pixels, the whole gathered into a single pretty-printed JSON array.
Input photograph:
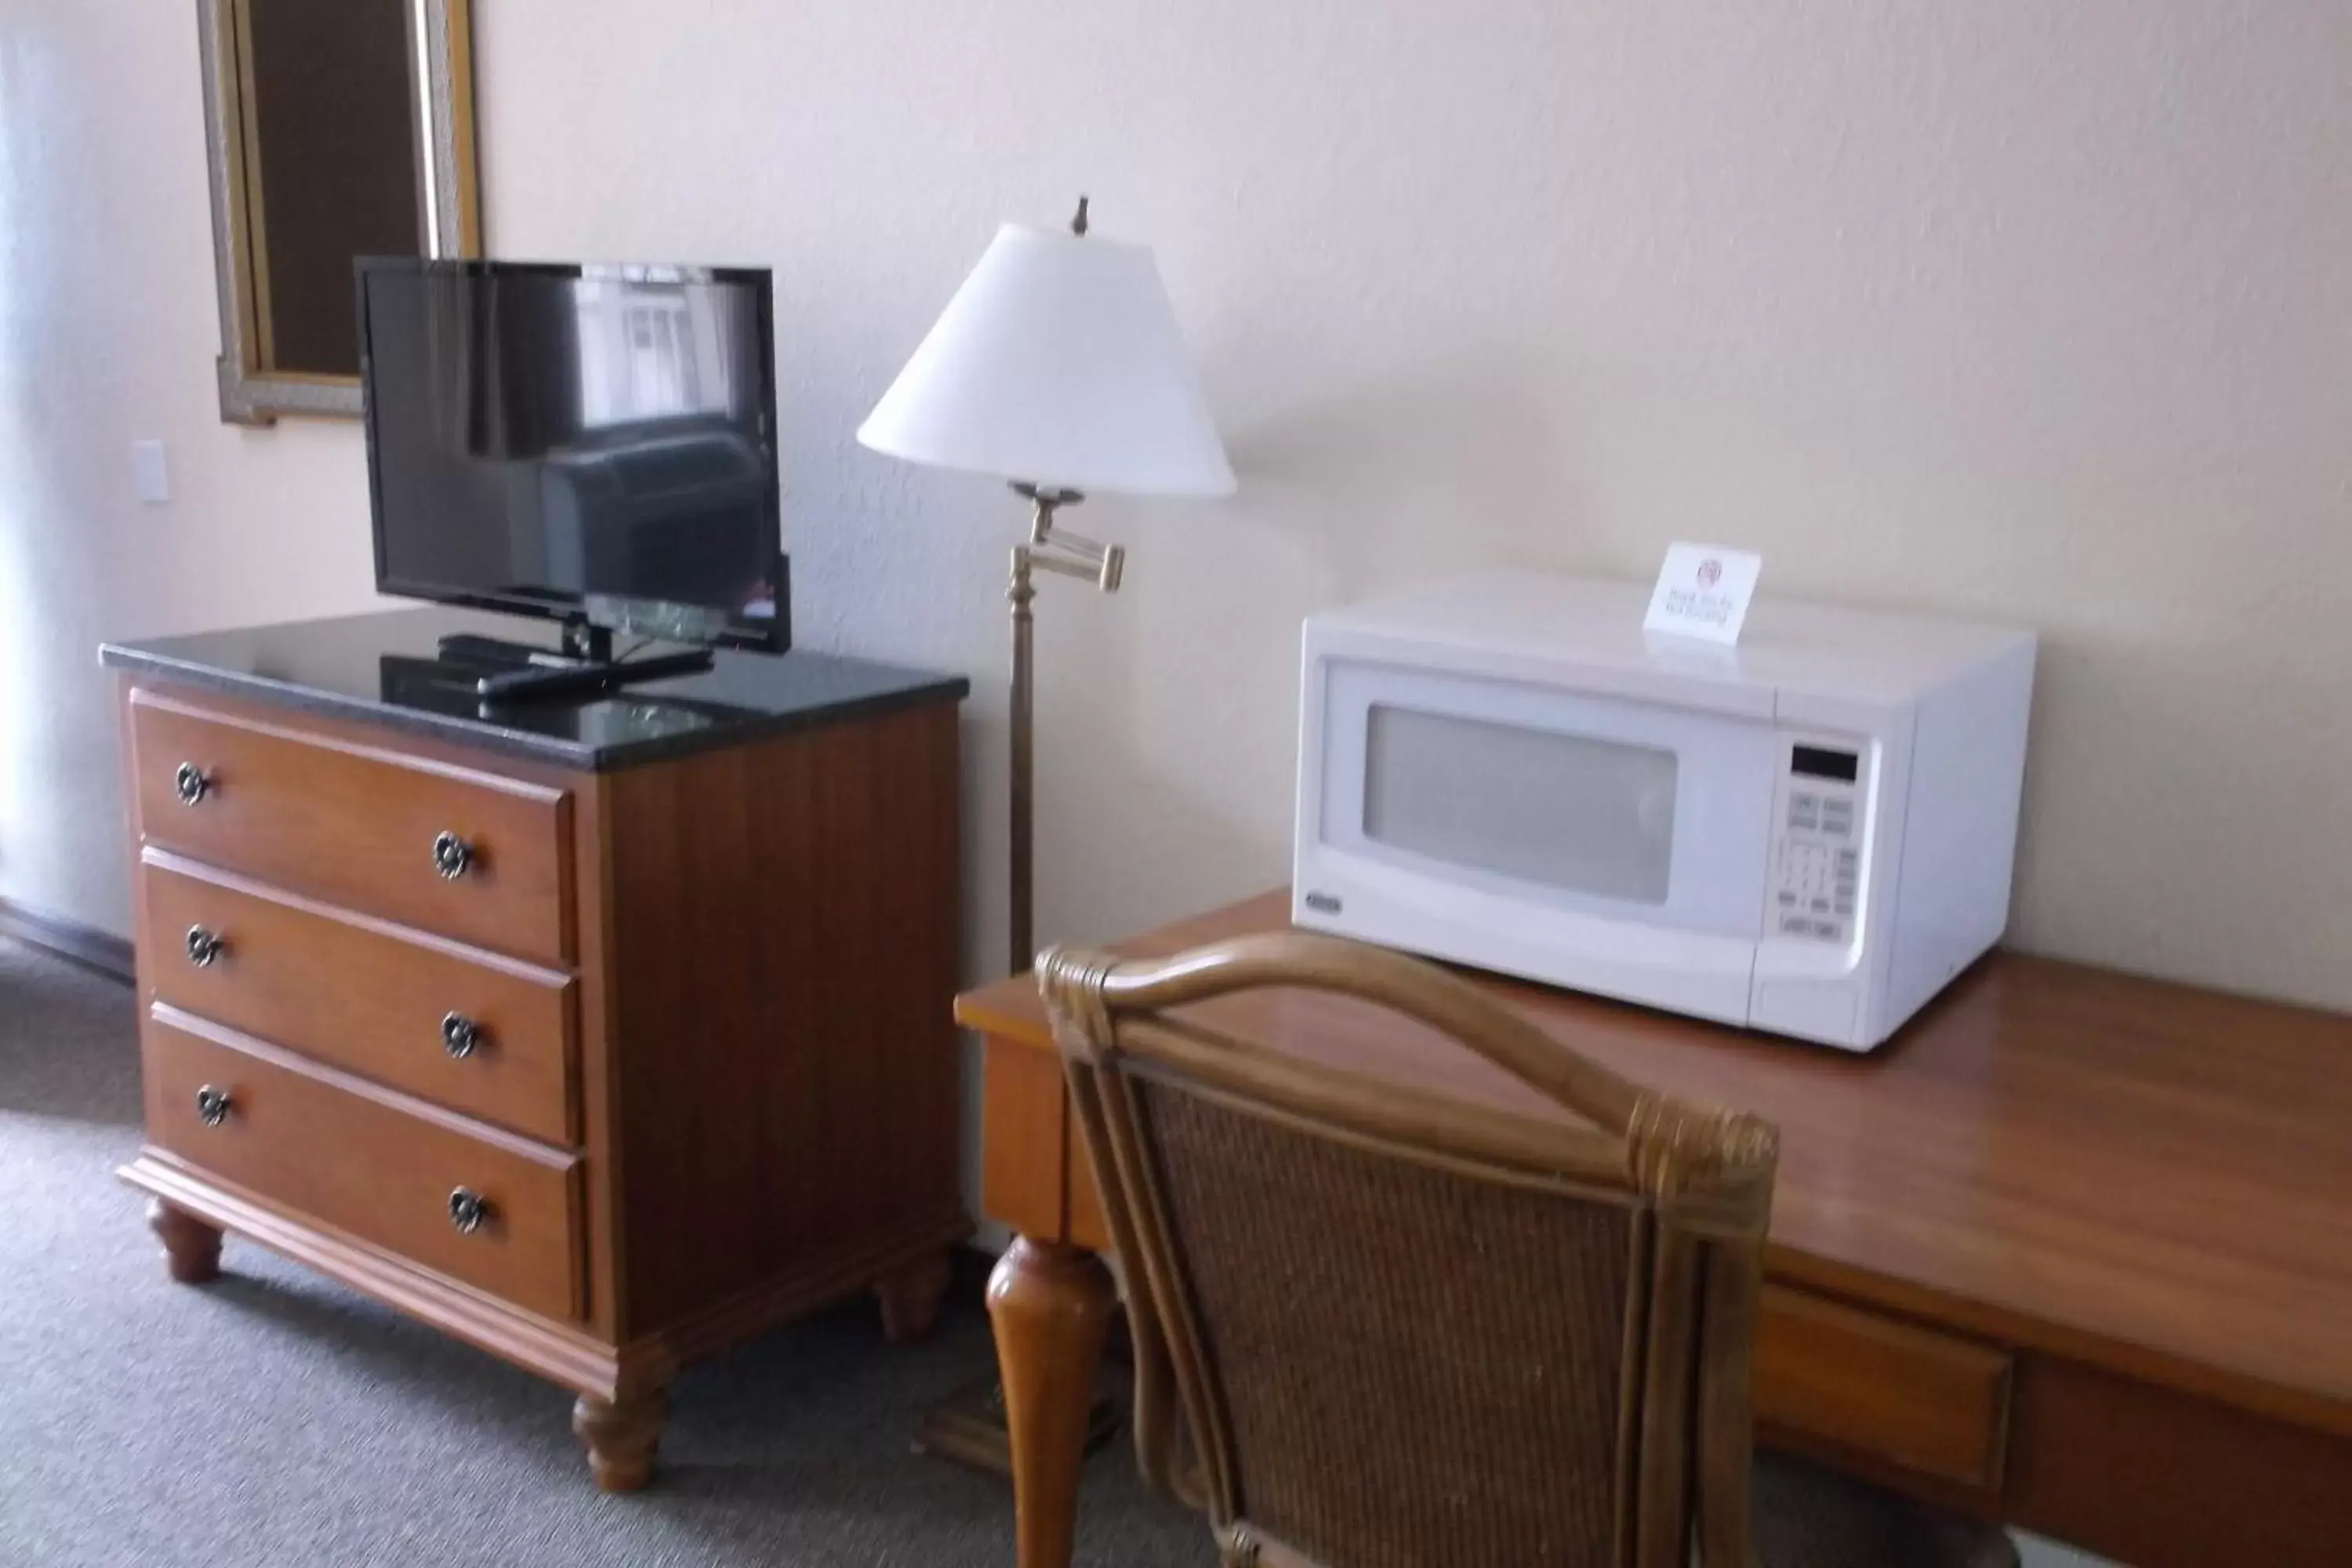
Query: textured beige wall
[
  {"x": 107, "y": 330},
  {"x": 2039, "y": 310}
]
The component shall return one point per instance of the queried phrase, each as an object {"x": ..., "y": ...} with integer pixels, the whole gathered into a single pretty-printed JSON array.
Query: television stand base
[
  {"x": 569, "y": 679},
  {"x": 519, "y": 672}
]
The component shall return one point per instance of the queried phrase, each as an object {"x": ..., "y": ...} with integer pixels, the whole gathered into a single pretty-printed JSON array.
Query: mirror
[{"x": 333, "y": 130}]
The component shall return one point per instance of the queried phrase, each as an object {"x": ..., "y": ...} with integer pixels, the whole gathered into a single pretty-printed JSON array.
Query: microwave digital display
[{"x": 1820, "y": 762}]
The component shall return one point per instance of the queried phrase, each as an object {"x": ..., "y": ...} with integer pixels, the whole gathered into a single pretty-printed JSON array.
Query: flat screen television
[{"x": 593, "y": 444}]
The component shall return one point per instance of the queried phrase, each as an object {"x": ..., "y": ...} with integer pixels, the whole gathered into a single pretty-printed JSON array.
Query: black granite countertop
[{"x": 380, "y": 668}]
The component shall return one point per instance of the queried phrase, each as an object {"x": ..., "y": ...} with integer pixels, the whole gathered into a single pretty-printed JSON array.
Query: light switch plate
[{"x": 150, "y": 473}]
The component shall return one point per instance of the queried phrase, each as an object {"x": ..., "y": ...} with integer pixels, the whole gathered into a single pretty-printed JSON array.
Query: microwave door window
[{"x": 1590, "y": 816}]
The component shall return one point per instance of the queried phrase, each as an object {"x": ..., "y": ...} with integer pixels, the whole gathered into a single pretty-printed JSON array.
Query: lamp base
[{"x": 968, "y": 1428}]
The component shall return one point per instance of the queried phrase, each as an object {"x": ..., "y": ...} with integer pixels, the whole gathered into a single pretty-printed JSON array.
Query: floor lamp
[{"x": 1058, "y": 367}]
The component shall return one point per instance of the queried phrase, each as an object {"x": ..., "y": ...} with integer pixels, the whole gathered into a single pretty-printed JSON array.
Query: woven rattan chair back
[{"x": 1409, "y": 1331}]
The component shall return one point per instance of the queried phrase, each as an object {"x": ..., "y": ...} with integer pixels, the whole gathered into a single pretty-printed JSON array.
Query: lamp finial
[{"x": 1078, "y": 224}]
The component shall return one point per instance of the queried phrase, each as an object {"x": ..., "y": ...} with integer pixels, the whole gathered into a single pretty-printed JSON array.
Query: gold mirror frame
[{"x": 441, "y": 72}]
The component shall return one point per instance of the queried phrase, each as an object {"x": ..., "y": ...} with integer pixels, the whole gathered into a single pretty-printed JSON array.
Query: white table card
[{"x": 1703, "y": 592}]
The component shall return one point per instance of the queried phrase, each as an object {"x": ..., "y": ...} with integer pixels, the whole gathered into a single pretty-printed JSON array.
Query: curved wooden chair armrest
[
  {"x": 1165, "y": 1455},
  {"x": 1081, "y": 985},
  {"x": 1154, "y": 1416},
  {"x": 1667, "y": 1144}
]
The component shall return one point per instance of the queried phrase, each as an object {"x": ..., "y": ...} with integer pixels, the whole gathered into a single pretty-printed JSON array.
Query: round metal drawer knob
[
  {"x": 460, "y": 1035},
  {"x": 468, "y": 1210},
  {"x": 191, "y": 782},
  {"x": 212, "y": 1105},
  {"x": 452, "y": 856},
  {"x": 204, "y": 947}
]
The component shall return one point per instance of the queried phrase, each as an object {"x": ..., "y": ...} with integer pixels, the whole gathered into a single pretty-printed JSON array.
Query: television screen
[{"x": 589, "y": 443}]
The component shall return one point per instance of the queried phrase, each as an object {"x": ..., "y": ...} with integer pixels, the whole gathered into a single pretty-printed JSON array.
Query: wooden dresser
[{"x": 599, "y": 1035}]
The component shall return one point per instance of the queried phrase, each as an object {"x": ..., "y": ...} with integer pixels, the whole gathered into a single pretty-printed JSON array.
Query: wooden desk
[{"x": 2074, "y": 1251}]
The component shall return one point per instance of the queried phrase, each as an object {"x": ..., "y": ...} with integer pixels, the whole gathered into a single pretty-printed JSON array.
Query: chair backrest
[{"x": 1409, "y": 1330}]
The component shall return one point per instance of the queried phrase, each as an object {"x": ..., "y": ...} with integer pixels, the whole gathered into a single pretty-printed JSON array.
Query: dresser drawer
[
  {"x": 467, "y": 854},
  {"x": 384, "y": 1168},
  {"x": 480, "y": 1034},
  {"x": 1931, "y": 1403}
]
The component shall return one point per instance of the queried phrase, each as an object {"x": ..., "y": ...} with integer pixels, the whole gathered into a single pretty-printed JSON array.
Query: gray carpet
[{"x": 276, "y": 1418}]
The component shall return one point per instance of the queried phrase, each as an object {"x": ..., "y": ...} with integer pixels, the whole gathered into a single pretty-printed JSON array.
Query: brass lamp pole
[
  {"x": 1071, "y": 556},
  {"x": 1057, "y": 364}
]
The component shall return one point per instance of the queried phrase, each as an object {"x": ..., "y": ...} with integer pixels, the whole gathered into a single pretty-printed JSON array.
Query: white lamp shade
[{"x": 1057, "y": 363}]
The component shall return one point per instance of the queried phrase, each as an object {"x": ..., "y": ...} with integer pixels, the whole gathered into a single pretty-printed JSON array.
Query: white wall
[
  {"x": 106, "y": 335},
  {"x": 2035, "y": 309}
]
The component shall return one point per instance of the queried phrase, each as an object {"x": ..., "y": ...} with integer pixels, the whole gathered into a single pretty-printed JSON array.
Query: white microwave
[{"x": 1811, "y": 833}]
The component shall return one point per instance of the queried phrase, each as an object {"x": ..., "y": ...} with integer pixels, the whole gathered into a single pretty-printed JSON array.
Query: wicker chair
[{"x": 1412, "y": 1333}]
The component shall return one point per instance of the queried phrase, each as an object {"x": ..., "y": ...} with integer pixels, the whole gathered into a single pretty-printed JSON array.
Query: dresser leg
[
  {"x": 191, "y": 1247},
  {"x": 1051, "y": 1306},
  {"x": 621, "y": 1435},
  {"x": 911, "y": 1297}
]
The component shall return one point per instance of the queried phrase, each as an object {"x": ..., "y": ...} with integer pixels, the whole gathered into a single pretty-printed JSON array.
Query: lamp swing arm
[{"x": 1049, "y": 549}]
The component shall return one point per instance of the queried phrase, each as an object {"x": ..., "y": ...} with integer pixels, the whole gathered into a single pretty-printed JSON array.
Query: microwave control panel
[{"x": 1817, "y": 844}]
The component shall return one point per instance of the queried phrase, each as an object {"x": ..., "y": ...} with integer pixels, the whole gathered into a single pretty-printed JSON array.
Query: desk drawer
[
  {"x": 1928, "y": 1403},
  {"x": 359, "y": 827},
  {"x": 366, "y": 997},
  {"x": 381, "y": 1167}
]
